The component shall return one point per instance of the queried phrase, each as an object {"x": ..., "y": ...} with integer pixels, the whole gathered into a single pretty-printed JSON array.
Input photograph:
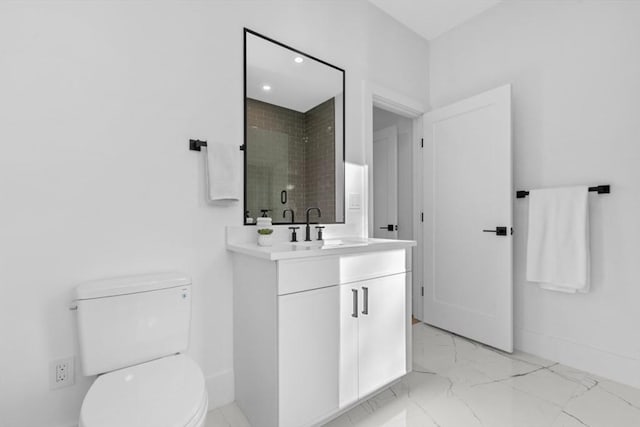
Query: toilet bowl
[
  {"x": 132, "y": 334},
  {"x": 167, "y": 392}
]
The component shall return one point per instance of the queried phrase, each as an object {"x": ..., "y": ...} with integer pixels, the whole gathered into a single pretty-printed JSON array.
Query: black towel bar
[
  {"x": 600, "y": 189},
  {"x": 196, "y": 145}
]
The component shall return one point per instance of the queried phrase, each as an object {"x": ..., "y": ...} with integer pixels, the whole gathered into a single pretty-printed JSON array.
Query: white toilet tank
[{"x": 129, "y": 320}]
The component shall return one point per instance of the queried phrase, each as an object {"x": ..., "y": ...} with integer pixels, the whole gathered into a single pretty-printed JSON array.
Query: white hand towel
[
  {"x": 223, "y": 168},
  {"x": 558, "y": 241}
]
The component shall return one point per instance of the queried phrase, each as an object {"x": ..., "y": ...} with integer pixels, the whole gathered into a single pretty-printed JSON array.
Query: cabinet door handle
[
  {"x": 354, "y": 294},
  {"x": 365, "y": 300}
]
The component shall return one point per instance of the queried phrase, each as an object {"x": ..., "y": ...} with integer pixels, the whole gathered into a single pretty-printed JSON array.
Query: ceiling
[
  {"x": 431, "y": 18},
  {"x": 298, "y": 86}
]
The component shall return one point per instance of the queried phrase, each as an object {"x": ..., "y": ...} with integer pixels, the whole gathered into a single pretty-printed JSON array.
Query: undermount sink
[{"x": 330, "y": 243}]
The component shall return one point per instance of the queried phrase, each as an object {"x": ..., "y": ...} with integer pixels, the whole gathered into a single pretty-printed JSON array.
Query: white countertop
[{"x": 286, "y": 250}]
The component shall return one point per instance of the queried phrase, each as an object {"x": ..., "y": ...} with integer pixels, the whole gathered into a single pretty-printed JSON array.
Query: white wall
[
  {"x": 98, "y": 101},
  {"x": 574, "y": 66}
]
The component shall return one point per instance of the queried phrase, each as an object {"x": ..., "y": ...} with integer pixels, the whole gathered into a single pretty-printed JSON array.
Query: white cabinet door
[
  {"x": 308, "y": 356},
  {"x": 381, "y": 332}
]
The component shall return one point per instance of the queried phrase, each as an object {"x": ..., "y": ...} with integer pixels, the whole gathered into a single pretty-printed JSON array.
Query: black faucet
[
  {"x": 307, "y": 235},
  {"x": 293, "y": 215}
]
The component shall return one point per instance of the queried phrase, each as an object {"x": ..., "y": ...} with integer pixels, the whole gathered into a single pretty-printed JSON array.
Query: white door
[
  {"x": 385, "y": 183},
  {"x": 308, "y": 349},
  {"x": 468, "y": 194},
  {"x": 381, "y": 332}
]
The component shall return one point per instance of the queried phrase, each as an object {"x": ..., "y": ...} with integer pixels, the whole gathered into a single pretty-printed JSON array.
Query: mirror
[{"x": 294, "y": 134}]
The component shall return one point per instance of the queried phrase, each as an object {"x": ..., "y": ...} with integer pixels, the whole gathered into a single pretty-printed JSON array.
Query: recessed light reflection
[
  {"x": 298, "y": 59},
  {"x": 266, "y": 88}
]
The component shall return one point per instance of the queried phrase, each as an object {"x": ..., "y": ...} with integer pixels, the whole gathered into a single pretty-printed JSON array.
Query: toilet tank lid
[{"x": 130, "y": 285}]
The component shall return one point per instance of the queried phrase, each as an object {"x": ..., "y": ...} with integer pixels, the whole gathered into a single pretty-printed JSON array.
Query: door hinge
[
  {"x": 421, "y": 142},
  {"x": 422, "y": 291}
]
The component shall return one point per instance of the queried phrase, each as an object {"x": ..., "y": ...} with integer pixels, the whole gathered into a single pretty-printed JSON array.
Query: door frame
[{"x": 390, "y": 100}]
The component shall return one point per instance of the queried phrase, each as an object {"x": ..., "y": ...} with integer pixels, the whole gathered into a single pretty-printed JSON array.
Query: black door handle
[
  {"x": 389, "y": 227},
  {"x": 500, "y": 231}
]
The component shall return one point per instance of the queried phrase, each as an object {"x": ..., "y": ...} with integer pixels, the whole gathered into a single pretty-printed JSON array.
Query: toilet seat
[{"x": 167, "y": 392}]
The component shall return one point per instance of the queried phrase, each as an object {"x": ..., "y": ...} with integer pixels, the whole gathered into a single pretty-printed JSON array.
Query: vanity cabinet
[{"x": 315, "y": 335}]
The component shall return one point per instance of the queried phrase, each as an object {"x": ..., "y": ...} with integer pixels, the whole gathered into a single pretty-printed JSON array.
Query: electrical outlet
[
  {"x": 61, "y": 373},
  {"x": 354, "y": 200}
]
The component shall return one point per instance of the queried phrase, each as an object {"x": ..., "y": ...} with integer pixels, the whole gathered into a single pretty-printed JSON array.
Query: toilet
[{"x": 132, "y": 333}]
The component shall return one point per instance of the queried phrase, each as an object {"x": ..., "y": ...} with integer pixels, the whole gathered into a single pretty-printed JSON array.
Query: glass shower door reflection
[{"x": 268, "y": 174}]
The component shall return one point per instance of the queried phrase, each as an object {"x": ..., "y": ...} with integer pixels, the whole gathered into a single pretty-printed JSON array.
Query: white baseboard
[
  {"x": 220, "y": 388},
  {"x": 620, "y": 368}
]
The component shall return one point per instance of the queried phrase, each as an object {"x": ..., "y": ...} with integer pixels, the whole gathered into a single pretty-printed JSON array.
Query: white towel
[
  {"x": 223, "y": 168},
  {"x": 558, "y": 241}
]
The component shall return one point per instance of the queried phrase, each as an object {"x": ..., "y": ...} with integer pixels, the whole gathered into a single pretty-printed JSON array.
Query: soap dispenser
[{"x": 247, "y": 218}]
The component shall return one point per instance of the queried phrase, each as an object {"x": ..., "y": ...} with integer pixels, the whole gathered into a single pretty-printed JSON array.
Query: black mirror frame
[{"x": 245, "y": 146}]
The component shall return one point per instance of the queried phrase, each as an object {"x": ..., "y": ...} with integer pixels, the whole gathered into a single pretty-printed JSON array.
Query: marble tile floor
[
  {"x": 226, "y": 416},
  {"x": 459, "y": 383}
]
